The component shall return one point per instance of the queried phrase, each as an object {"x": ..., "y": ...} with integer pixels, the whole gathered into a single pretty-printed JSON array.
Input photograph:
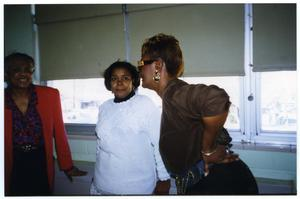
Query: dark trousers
[
  {"x": 226, "y": 179},
  {"x": 29, "y": 175}
]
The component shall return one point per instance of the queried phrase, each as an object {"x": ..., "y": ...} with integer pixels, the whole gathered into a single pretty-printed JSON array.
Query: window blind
[
  {"x": 79, "y": 41},
  {"x": 274, "y": 37},
  {"x": 18, "y": 30},
  {"x": 211, "y": 35}
]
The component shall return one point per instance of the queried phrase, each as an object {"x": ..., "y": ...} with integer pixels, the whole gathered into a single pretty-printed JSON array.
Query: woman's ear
[{"x": 159, "y": 64}]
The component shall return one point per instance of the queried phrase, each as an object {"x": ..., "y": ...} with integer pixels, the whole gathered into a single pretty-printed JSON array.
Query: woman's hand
[
  {"x": 220, "y": 155},
  {"x": 162, "y": 187},
  {"x": 212, "y": 152},
  {"x": 74, "y": 171}
]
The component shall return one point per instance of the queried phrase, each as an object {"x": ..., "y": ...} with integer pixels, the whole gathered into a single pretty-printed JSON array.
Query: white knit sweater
[{"x": 127, "y": 155}]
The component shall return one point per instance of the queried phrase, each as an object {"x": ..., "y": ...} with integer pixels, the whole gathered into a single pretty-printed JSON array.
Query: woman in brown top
[{"x": 193, "y": 143}]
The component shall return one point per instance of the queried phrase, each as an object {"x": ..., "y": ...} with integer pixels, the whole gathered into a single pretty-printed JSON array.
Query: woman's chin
[{"x": 120, "y": 96}]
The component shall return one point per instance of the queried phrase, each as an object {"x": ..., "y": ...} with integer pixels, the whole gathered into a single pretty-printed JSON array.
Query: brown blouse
[{"x": 181, "y": 126}]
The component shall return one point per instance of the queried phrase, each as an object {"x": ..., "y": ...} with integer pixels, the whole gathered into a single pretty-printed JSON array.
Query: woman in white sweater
[{"x": 128, "y": 161}]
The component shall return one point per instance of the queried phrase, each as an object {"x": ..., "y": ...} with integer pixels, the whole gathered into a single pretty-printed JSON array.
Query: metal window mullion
[
  {"x": 253, "y": 104},
  {"x": 258, "y": 124},
  {"x": 248, "y": 83},
  {"x": 37, "y": 73},
  {"x": 126, "y": 32}
]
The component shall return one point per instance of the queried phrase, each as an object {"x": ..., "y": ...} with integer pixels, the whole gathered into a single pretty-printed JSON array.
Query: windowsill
[
  {"x": 236, "y": 145},
  {"x": 76, "y": 136},
  {"x": 264, "y": 147}
]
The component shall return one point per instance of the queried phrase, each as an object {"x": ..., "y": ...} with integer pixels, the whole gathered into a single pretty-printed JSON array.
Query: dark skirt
[
  {"x": 29, "y": 174},
  {"x": 233, "y": 178}
]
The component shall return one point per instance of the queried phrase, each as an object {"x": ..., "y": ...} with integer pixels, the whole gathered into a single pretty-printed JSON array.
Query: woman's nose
[{"x": 119, "y": 81}]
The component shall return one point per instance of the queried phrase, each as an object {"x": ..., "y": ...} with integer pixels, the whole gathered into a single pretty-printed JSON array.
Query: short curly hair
[
  {"x": 122, "y": 64},
  {"x": 167, "y": 48}
]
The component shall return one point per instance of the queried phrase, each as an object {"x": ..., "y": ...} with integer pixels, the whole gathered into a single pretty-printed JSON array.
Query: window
[
  {"x": 275, "y": 112},
  {"x": 263, "y": 108},
  {"x": 80, "y": 99},
  {"x": 278, "y": 101}
]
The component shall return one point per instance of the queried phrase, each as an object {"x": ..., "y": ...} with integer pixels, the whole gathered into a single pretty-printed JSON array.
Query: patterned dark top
[{"x": 27, "y": 128}]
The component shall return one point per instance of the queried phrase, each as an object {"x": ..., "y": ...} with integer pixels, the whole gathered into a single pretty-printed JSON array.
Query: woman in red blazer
[{"x": 33, "y": 119}]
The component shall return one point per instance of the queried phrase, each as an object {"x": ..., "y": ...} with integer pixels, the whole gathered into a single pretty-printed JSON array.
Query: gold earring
[{"x": 156, "y": 76}]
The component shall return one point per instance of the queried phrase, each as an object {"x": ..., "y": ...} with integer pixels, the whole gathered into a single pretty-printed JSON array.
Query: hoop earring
[{"x": 156, "y": 76}]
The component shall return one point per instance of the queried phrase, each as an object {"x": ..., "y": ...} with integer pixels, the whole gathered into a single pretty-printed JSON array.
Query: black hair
[
  {"x": 122, "y": 64},
  {"x": 10, "y": 60}
]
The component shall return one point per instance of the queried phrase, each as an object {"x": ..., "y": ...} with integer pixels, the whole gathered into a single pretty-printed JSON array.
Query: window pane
[
  {"x": 232, "y": 86},
  {"x": 80, "y": 98},
  {"x": 278, "y": 101}
]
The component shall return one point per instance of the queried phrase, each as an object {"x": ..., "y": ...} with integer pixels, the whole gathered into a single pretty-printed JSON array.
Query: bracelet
[{"x": 210, "y": 152}]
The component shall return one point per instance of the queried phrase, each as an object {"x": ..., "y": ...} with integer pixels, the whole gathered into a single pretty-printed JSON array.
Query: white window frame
[
  {"x": 251, "y": 131},
  {"x": 263, "y": 136}
]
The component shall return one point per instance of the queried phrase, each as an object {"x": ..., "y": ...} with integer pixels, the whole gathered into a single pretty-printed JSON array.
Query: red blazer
[{"x": 49, "y": 108}]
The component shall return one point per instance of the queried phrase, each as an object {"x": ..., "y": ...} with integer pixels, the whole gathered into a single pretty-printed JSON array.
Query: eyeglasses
[
  {"x": 122, "y": 79},
  {"x": 145, "y": 62},
  {"x": 21, "y": 69}
]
